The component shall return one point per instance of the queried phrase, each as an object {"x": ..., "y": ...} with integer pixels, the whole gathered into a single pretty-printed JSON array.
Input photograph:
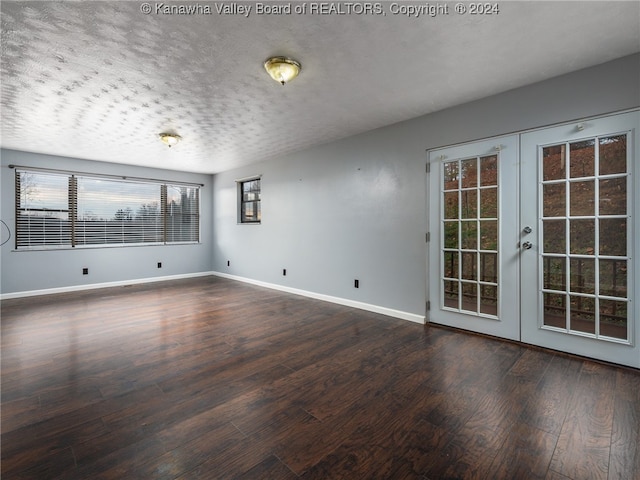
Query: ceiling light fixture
[
  {"x": 170, "y": 139},
  {"x": 282, "y": 69}
]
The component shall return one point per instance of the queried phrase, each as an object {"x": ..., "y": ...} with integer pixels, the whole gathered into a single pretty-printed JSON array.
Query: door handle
[{"x": 527, "y": 245}]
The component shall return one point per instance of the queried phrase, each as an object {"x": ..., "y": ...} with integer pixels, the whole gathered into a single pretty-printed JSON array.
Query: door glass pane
[
  {"x": 582, "y": 159},
  {"x": 451, "y": 264},
  {"x": 451, "y": 204},
  {"x": 489, "y": 235},
  {"x": 469, "y": 203},
  {"x": 613, "y": 318},
  {"x": 469, "y": 173},
  {"x": 613, "y": 196},
  {"x": 554, "y": 236},
  {"x": 451, "y": 176},
  {"x": 489, "y": 267},
  {"x": 613, "y": 278},
  {"x": 555, "y": 200},
  {"x": 554, "y": 273},
  {"x": 469, "y": 296},
  {"x": 451, "y": 294},
  {"x": 489, "y": 299},
  {"x": 583, "y": 314},
  {"x": 451, "y": 234},
  {"x": 582, "y": 240},
  {"x": 613, "y": 154},
  {"x": 489, "y": 170},
  {"x": 613, "y": 236},
  {"x": 582, "y": 198},
  {"x": 554, "y": 162},
  {"x": 469, "y": 235},
  {"x": 582, "y": 275},
  {"x": 555, "y": 310},
  {"x": 469, "y": 266},
  {"x": 489, "y": 203}
]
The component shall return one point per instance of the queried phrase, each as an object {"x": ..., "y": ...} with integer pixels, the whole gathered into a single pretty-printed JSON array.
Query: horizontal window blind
[
  {"x": 42, "y": 210},
  {"x": 182, "y": 213},
  {"x": 57, "y": 210},
  {"x": 118, "y": 212}
]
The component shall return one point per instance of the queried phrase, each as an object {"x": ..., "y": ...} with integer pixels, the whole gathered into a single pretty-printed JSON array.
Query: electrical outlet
[
  {"x": 159, "y": 264},
  {"x": 356, "y": 283},
  {"x": 228, "y": 263},
  {"x": 85, "y": 271},
  {"x": 284, "y": 272}
]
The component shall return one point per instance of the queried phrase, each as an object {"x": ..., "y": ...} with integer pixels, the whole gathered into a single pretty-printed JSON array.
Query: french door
[
  {"x": 582, "y": 209},
  {"x": 474, "y": 266},
  {"x": 534, "y": 237}
]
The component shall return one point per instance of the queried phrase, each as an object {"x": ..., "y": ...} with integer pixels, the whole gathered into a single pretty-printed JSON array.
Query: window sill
[{"x": 97, "y": 247}]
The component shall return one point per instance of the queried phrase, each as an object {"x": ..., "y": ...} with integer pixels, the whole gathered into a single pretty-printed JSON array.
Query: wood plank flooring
[{"x": 212, "y": 379}]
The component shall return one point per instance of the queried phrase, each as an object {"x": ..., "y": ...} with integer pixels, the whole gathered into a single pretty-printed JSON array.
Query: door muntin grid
[
  {"x": 585, "y": 225},
  {"x": 469, "y": 245}
]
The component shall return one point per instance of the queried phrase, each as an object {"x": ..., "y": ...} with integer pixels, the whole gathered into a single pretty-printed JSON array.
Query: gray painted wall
[
  {"x": 356, "y": 208},
  {"x": 351, "y": 209},
  {"x": 25, "y": 271}
]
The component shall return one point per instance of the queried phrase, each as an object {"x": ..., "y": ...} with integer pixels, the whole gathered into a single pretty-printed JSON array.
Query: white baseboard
[
  {"x": 93, "y": 286},
  {"x": 412, "y": 317}
]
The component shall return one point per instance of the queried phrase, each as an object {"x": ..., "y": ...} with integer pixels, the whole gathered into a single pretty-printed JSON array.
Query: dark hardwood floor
[{"x": 212, "y": 379}]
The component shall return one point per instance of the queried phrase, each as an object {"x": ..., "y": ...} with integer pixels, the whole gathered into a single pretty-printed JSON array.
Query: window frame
[
  {"x": 76, "y": 223},
  {"x": 241, "y": 217}
]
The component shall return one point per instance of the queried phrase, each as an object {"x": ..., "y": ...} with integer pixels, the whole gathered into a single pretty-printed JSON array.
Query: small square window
[{"x": 249, "y": 200}]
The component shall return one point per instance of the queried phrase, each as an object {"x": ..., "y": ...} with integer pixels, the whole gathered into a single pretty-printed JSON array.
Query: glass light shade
[
  {"x": 282, "y": 69},
  {"x": 169, "y": 139}
]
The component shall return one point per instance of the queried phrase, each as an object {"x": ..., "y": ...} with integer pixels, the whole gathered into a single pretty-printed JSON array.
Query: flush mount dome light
[
  {"x": 282, "y": 69},
  {"x": 170, "y": 139}
]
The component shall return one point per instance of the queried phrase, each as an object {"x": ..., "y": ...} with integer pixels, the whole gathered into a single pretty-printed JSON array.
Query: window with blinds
[
  {"x": 43, "y": 217},
  {"x": 69, "y": 210},
  {"x": 182, "y": 213}
]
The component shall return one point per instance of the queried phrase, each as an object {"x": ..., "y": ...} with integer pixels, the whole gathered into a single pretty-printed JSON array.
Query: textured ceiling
[{"x": 100, "y": 80}]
